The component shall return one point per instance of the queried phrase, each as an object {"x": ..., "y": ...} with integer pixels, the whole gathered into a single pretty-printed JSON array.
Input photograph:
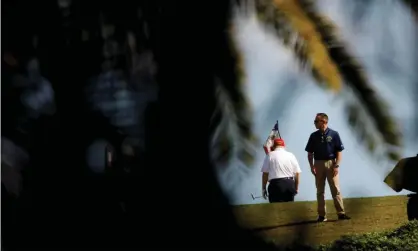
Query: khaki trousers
[{"x": 324, "y": 172}]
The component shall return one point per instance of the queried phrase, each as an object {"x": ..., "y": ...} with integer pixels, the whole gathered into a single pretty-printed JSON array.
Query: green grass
[
  {"x": 404, "y": 238},
  {"x": 286, "y": 223}
]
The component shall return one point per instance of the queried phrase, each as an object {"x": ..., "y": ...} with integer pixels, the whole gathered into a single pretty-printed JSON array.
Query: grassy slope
[{"x": 283, "y": 222}]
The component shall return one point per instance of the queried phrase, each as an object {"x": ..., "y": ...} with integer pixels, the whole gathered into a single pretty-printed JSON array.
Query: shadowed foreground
[
  {"x": 62, "y": 205},
  {"x": 282, "y": 222}
]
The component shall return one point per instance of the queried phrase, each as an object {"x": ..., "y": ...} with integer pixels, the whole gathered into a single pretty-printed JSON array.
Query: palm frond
[
  {"x": 221, "y": 148},
  {"x": 227, "y": 139},
  {"x": 363, "y": 125},
  {"x": 233, "y": 106},
  {"x": 242, "y": 108},
  {"x": 354, "y": 76},
  {"x": 413, "y": 4},
  {"x": 415, "y": 94},
  {"x": 356, "y": 119},
  {"x": 298, "y": 32}
]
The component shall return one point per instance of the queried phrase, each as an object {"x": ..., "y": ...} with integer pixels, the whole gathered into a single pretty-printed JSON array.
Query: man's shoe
[
  {"x": 321, "y": 219},
  {"x": 343, "y": 217}
]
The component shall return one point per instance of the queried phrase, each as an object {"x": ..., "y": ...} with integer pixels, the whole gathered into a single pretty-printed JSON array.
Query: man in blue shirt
[{"x": 324, "y": 149}]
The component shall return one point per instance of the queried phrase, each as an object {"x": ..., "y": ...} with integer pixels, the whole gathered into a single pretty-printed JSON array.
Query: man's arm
[
  {"x": 265, "y": 171},
  {"x": 265, "y": 180},
  {"x": 297, "y": 172},
  {"x": 338, "y": 158},
  {"x": 339, "y": 147},
  {"x": 310, "y": 160},
  {"x": 310, "y": 149},
  {"x": 297, "y": 179}
]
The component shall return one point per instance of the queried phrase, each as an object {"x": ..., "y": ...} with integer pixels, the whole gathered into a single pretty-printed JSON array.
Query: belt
[
  {"x": 284, "y": 178},
  {"x": 325, "y": 159}
]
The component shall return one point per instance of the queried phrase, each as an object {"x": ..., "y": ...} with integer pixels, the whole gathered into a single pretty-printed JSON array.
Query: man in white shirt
[{"x": 281, "y": 169}]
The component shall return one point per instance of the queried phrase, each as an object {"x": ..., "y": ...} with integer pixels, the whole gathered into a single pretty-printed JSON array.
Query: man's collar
[
  {"x": 325, "y": 132},
  {"x": 279, "y": 148}
]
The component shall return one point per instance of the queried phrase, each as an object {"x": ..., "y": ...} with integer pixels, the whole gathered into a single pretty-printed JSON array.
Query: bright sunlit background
[{"x": 279, "y": 89}]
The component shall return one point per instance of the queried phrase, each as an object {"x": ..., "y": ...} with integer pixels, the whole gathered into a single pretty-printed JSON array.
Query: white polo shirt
[{"x": 280, "y": 164}]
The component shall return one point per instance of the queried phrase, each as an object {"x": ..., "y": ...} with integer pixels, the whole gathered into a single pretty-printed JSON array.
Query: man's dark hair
[{"x": 323, "y": 115}]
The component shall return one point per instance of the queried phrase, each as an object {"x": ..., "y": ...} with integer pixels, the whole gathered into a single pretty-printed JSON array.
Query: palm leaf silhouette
[
  {"x": 315, "y": 42},
  {"x": 354, "y": 75},
  {"x": 413, "y": 5},
  {"x": 414, "y": 8},
  {"x": 314, "y": 39},
  {"x": 299, "y": 33},
  {"x": 232, "y": 102},
  {"x": 233, "y": 109},
  {"x": 221, "y": 140}
]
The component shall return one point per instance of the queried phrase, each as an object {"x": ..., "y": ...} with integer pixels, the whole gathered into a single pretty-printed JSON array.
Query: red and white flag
[{"x": 269, "y": 141}]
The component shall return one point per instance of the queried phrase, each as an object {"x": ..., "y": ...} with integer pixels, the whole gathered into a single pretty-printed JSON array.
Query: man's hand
[
  {"x": 313, "y": 171},
  {"x": 334, "y": 171},
  {"x": 265, "y": 194}
]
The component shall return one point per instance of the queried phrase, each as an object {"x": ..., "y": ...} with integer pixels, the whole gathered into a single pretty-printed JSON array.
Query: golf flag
[
  {"x": 276, "y": 126},
  {"x": 273, "y": 134}
]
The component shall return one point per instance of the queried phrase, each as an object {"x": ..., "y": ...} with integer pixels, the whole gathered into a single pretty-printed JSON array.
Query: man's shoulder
[
  {"x": 315, "y": 133},
  {"x": 283, "y": 152},
  {"x": 272, "y": 153},
  {"x": 277, "y": 153},
  {"x": 332, "y": 131},
  {"x": 290, "y": 154}
]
